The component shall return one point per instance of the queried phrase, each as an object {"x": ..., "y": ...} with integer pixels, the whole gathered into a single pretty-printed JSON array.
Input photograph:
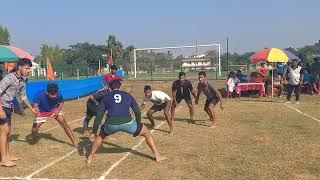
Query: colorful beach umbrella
[
  {"x": 273, "y": 55},
  {"x": 11, "y": 54}
]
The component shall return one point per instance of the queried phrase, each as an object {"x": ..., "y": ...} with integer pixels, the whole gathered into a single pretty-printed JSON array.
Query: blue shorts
[
  {"x": 7, "y": 120},
  {"x": 132, "y": 127}
]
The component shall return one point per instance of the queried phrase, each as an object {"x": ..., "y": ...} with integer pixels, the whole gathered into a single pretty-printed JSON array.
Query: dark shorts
[
  {"x": 91, "y": 110},
  {"x": 7, "y": 120},
  {"x": 186, "y": 99},
  {"x": 132, "y": 127},
  {"x": 213, "y": 101},
  {"x": 161, "y": 107}
]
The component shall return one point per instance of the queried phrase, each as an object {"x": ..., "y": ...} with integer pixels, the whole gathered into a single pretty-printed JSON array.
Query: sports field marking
[
  {"x": 57, "y": 160},
  {"x": 128, "y": 153},
  {"x": 52, "y": 163},
  {"x": 300, "y": 112},
  {"x": 15, "y": 177},
  {"x": 60, "y": 126}
]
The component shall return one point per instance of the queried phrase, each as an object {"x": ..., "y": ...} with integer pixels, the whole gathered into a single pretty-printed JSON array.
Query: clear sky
[{"x": 249, "y": 24}]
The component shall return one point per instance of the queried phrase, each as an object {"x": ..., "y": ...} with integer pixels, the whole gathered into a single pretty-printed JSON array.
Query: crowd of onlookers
[{"x": 281, "y": 77}]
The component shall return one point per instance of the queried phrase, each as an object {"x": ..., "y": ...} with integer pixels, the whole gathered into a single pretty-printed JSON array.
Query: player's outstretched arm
[
  {"x": 220, "y": 97},
  {"x": 93, "y": 99},
  {"x": 143, "y": 105},
  {"x": 136, "y": 111},
  {"x": 33, "y": 109},
  {"x": 197, "y": 96}
]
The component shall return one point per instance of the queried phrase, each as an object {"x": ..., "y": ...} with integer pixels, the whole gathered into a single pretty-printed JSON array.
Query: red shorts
[{"x": 43, "y": 116}]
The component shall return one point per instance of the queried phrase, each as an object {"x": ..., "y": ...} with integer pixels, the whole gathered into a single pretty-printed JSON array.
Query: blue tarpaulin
[{"x": 70, "y": 89}]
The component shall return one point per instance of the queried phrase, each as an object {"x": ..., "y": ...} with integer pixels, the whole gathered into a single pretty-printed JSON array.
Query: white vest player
[{"x": 161, "y": 101}]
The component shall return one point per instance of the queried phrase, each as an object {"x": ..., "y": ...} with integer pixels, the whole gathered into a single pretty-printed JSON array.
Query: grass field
[{"x": 256, "y": 138}]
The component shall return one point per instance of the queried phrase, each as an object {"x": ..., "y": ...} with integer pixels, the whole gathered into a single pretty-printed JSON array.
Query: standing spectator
[
  {"x": 11, "y": 85},
  {"x": 110, "y": 76},
  {"x": 315, "y": 75},
  {"x": 295, "y": 76}
]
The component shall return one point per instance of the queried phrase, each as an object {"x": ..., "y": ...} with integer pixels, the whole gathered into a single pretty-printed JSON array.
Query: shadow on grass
[
  {"x": 44, "y": 136},
  {"x": 15, "y": 137},
  {"x": 84, "y": 148}
]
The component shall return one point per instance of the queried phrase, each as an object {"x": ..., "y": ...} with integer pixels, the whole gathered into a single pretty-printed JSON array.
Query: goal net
[{"x": 167, "y": 62}]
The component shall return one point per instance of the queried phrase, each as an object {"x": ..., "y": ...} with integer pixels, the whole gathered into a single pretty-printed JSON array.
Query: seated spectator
[
  {"x": 263, "y": 71},
  {"x": 232, "y": 83},
  {"x": 281, "y": 68},
  {"x": 241, "y": 76},
  {"x": 277, "y": 84}
]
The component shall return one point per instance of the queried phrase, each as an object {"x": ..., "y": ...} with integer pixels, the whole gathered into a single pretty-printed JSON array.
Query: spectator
[
  {"x": 315, "y": 75},
  {"x": 232, "y": 83},
  {"x": 295, "y": 76},
  {"x": 277, "y": 84},
  {"x": 241, "y": 76},
  {"x": 263, "y": 71},
  {"x": 281, "y": 68},
  {"x": 110, "y": 76}
]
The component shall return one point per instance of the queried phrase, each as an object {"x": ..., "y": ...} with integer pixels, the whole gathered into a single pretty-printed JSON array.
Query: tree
[
  {"x": 116, "y": 47},
  {"x": 4, "y": 36}
]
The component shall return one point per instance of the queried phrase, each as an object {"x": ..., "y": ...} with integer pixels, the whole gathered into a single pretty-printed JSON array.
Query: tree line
[{"x": 86, "y": 56}]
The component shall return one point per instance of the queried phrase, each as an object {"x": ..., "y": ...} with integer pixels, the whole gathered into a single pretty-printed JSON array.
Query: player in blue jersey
[
  {"x": 92, "y": 107},
  {"x": 49, "y": 103},
  {"x": 117, "y": 105}
]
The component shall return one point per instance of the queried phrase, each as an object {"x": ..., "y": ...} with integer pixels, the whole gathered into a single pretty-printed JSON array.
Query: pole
[
  {"x": 151, "y": 70},
  {"x": 196, "y": 48},
  {"x": 99, "y": 72},
  {"x": 78, "y": 74},
  {"x": 272, "y": 81},
  {"x": 135, "y": 63},
  {"x": 61, "y": 73},
  {"x": 227, "y": 54},
  {"x": 219, "y": 59}
]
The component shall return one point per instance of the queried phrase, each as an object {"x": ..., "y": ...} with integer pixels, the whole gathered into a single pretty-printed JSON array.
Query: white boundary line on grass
[
  {"x": 128, "y": 153},
  {"x": 60, "y": 126},
  {"x": 29, "y": 176},
  {"x": 57, "y": 160},
  {"x": 52, "y": 163},
  {"x": 300, "y": 112}
]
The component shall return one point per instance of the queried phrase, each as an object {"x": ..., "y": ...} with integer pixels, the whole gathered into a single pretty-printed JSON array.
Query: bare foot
[
  {"x": 213, "y": 126},
  {"x": 7, "y": 163},
  {"x": 171, "y": 133},
  {"x": 14, "y": 159},
  {"x": 89, "y": 161},
  {"x": 160, "y": 158}
]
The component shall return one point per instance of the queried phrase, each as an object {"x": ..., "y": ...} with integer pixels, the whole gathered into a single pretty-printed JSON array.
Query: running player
[
  {"x": 117, "y": 105},
  {"x": 49, "y": 103},
  {"x": 181, "y": 89},
  {"x": 92, "y": 107},
  {"x": 161, "y": 101},
  {"x": 212, "y": 94}
]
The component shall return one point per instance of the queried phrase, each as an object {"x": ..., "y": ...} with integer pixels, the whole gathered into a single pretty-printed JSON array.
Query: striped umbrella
[
  {"x": 273, "y": 55},
  {"x": 11, "y": 54}
]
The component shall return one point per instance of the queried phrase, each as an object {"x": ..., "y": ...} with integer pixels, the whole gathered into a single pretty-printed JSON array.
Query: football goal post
[{"x": 167, "y": 62}]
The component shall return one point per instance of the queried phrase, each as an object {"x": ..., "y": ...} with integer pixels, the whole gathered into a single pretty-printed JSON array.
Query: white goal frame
[{"x": 176, "y": 47}]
